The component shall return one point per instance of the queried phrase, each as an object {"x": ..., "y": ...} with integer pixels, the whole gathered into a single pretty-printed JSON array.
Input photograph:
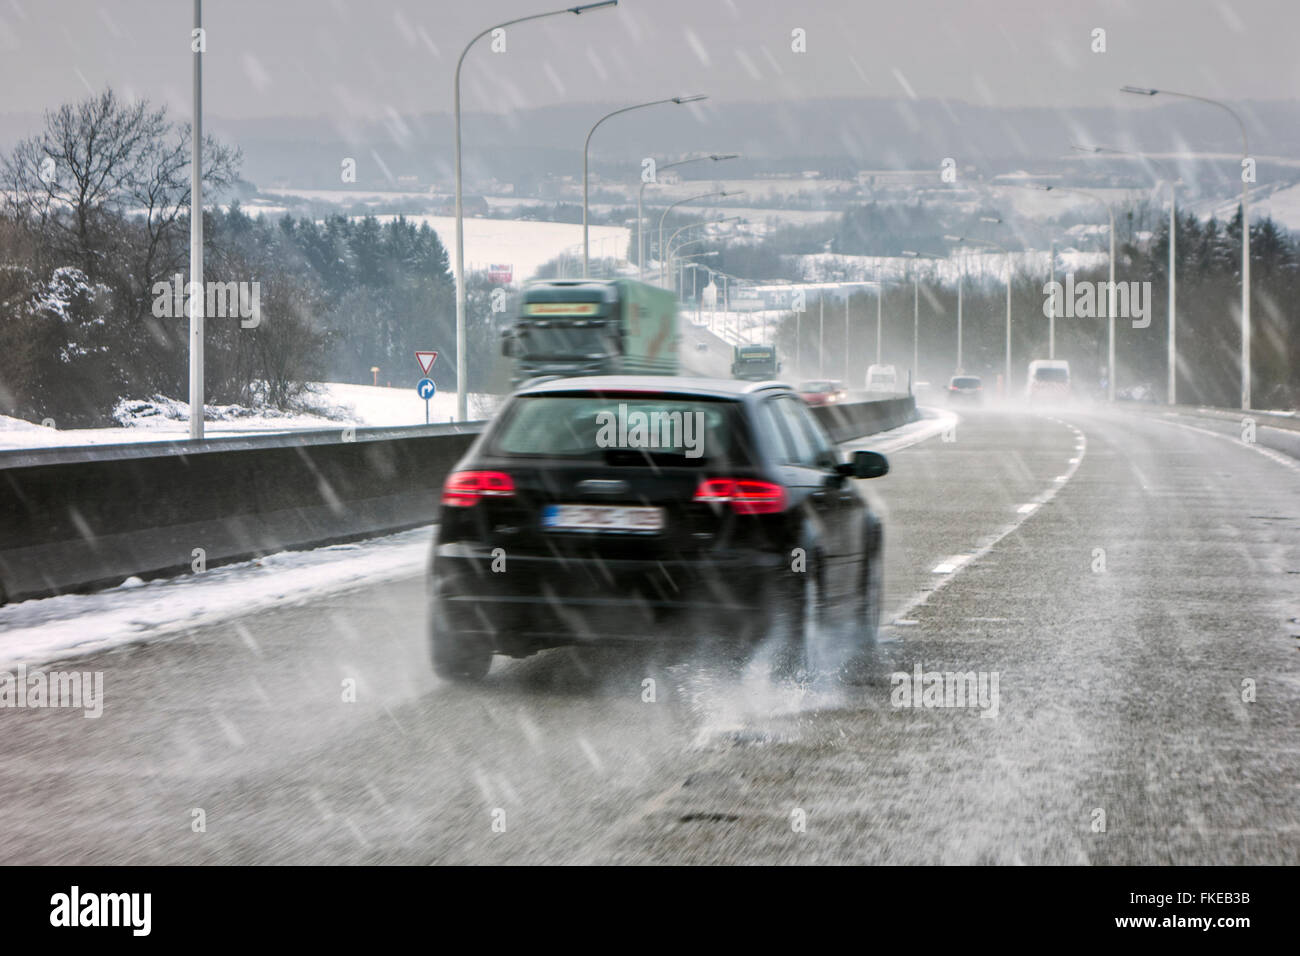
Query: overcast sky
[{"x": 367, "y": 57}]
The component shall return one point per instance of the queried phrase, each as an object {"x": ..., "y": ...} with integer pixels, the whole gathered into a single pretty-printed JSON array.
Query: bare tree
[
  {"x": 105, "y": 188},
  {"x": 100, "y": 163}
]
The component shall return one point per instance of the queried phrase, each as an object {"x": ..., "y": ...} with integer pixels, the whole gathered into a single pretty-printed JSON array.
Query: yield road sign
[{"x": 426, "y": 360}]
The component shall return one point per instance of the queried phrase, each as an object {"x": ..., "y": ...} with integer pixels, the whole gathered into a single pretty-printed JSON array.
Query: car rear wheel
[
  {"x": 798, "y": 619},
  {"x": 866, "y": 625},
  {"x": 464, "y": 658}
]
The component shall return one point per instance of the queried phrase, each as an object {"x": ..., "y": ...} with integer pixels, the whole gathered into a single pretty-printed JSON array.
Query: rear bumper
[{"x": 523, "y": 603}]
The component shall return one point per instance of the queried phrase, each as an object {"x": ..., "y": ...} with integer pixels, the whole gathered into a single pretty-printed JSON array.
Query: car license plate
[{"x": 602, "y": 518}]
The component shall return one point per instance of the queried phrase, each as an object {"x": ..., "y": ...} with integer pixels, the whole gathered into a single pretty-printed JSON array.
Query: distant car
[
  {"x": 559, "y": 527},
  {"x": 965, "y": 388},
  {"x": 1137, "y": 393},
  {"x": 882, "y": 378},
  {"x": 823, "y": 392},
  {"x": 1048, "y": 381}
]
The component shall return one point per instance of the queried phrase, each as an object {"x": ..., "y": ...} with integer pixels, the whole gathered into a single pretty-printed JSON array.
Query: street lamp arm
[
  {"x": 586, "y": 149},
  {"x": 461, "y": 365},
  {"x": 1245, "y": 143},
  {"x": 627, "y": 109},
  {"x": 640, "y": 198},
  {"x": 1245, "y": 238},
  {"x": 693, "y": 225},
  {"x": 1170, "y": 177},
  {"x": 662, "y": 261},
  {"x": 577, "y": 11}
]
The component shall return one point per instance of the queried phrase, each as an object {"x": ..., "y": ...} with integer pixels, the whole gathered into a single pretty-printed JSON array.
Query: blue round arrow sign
[{"x": 426, "y": 388}]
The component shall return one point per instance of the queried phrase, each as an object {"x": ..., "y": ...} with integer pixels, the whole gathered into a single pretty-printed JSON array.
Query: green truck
[
  {"x": 567, "y": 327},
  {"x": 755, "y": 363}
]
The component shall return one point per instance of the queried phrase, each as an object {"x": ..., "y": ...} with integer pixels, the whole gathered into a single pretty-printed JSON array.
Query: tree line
[
  {"x": 1208, "y": 310},
  {"x": 94, "y": 233}
]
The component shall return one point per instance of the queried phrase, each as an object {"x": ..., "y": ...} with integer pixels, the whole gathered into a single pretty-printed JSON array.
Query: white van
[
  {"x": 1048, "y": 381},
  {"x": 882, "y": 378}
]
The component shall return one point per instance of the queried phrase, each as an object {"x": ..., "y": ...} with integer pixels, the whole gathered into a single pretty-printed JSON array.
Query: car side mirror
[{"x": 864, "y": 464}]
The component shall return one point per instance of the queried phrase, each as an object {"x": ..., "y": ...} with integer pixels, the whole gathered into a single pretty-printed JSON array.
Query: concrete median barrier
[
  {"x": 849, "y": 420},
  {"x": 77, "y": 519},
  {"x": 81, "y": 518}
]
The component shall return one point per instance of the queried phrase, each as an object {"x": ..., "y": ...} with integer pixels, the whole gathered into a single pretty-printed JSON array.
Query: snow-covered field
[
  {"x": 1283, "y": 206},
  {"x": 522, "y": 244},
  {"x": 166, "y": 420}
]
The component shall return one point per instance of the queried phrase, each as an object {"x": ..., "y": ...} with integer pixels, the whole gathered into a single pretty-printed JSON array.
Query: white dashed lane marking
[{"x": 950, "y": 567}]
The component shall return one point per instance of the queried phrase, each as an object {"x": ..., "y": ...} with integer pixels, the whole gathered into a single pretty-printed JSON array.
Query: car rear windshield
[
  {"x": 1051, "y": 375},
  {"x": 965, "y": 383},
  {"x": 632, "y": 429}
]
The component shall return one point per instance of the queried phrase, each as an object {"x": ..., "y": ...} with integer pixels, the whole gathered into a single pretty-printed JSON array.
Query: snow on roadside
[
  {"x": 72, "y": 625},
  {"x": 164, "y": 419},
  {"x": 388, "y": 407}
]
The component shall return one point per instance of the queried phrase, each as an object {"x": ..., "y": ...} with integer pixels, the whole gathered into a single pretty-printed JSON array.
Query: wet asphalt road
[{"x": 1122, "y": 617}]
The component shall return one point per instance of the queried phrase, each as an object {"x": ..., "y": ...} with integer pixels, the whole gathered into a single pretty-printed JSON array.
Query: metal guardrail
[
  {"x": 76, "y": 519},
  {"x": 1269, "y": 429}
]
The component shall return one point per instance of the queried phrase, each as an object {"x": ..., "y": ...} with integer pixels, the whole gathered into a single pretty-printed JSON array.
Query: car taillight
[
  {"x": 745, "y": 495},
  {"x": 465, "y": 489}
]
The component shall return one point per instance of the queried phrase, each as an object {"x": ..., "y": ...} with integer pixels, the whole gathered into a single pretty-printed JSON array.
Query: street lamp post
[
  {"x": 880, "y": 311},
  {"x": 1007, "y": 253},
  {"x": 1110, "y": 292},
  {"x": 916, "y": 327},
  {"x": 683, "y": 245},
  {"x": 197, "y": 301},
  {"x": 916, "y": 313},
  {"x": 961, "y": 283},
  {"x": 693, "y": 225},
  {"x": 1245, "y": 231},
  {"x": 461, "y": 390},
  {"x": 997, "y": 221},
  {"x": 586, "y": 147},
  {"x": 684, "y": 260},
  {"x": 663, "y": 262},
  {"x": 821, "y": 334},
  {"x": 848, "y": 294},
  {"x": 1172, "y": 336},
  {"x": 640, "y": 194},
  {"x": 1051, "y": 319}
]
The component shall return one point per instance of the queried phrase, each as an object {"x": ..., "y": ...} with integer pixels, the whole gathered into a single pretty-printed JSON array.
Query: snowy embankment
[
  {"x": 47, "y": 629},
  {"x": 334, "y": 405}
]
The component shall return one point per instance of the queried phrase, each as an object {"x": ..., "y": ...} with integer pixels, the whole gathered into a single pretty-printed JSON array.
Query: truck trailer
[{"x": 568, "y": 327}]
